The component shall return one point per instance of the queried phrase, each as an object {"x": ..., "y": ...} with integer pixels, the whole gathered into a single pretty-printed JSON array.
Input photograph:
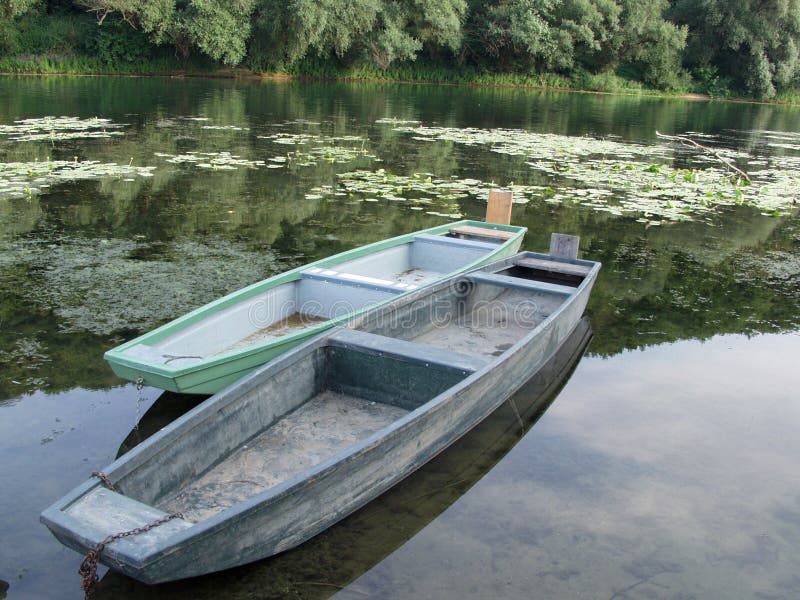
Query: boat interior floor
[
  {"x": 493, "y": 325},
  {"x": 293, "y": 322},
  {"x": 317, "y": 430}
]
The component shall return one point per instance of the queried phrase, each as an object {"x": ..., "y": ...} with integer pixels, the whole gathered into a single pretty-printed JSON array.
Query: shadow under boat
[
  {"x": 167, "y": 407},
  {"x": 331, "y": 560}
]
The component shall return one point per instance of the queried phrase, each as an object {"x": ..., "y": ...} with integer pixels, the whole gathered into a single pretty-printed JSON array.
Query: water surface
[{"x": 665, "y": 468}]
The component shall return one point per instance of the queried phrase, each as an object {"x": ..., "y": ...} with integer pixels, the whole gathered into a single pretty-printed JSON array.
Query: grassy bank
[
  {"x": 52, "y": 64},
  {"x": 421, "y": 72}
]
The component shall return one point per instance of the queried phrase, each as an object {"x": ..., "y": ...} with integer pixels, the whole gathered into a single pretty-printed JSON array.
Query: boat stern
[{"x": 92, "y": 514}]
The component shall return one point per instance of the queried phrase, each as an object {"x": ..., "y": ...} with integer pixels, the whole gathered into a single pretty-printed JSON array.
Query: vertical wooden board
[
  {"x": 564, "y": 246},
  {"x": 498, "y": 210}
]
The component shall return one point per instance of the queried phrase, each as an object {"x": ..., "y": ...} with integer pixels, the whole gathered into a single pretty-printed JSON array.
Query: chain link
[{"x": 104, "y": 478}]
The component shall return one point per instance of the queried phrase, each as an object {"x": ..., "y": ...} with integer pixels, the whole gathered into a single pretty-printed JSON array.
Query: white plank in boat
[
  {"x": 554, "y": 267},
  {"x": 499, "y": 234},
  {"x": 365, "y": 279},
  {"x": 518, "y": 282}
]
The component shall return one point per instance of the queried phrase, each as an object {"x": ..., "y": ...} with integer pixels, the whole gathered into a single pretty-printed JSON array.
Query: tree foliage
[
  {"x": 13, "y": 8},
  {"x": 591, "y": 35},
  {"x": 218, "y": 28},
  {"x": 286, "y": 32},
  {"x": 753, "y": 44}
]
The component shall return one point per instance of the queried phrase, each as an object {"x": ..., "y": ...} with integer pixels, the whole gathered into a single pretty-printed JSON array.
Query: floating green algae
[
  {"x": 313, "y": 149},
  {"x": 225, "y": 128},
  {"x": 103, "y": 286},
  {"x": 396, "y": 121}
]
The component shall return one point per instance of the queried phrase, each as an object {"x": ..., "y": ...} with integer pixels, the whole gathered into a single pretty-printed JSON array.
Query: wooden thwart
[
  {"x": 554, "y": 267},
  {"x": 484, "y": 232}
]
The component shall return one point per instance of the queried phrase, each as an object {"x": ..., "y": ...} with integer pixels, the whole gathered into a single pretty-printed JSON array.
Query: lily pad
[
  {"x": 632, "y": 179},
  {"x": 59, "y": 128},
  {"x": 313, "y": 149},
  {"x": 18, "y": 179},
  {"x": 214, "y": 161}
]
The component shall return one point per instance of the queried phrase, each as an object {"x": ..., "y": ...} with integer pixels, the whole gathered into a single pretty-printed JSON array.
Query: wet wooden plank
[
  {"x": 516, "y": 282},
  {"x": 564, "y": 246},
  {"x": 552, "y": 266},
  {"x": 423, "y": 353},
  {"x": 498, "y": 234},
  {"x": 498, "y": 208},
  {"x": 109, "y": 510}
]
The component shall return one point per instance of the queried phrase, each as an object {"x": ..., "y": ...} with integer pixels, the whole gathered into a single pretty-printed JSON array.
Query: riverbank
[{"x": 602, "y": 83}]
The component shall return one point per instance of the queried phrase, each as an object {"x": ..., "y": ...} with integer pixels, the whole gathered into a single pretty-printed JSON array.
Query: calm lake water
[{"x": 666, "y": 466}]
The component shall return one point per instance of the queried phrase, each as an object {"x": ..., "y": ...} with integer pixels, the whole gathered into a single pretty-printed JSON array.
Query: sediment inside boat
[
  {"x": 285, "y": 326},
  {"x": 325, "y": 425},
  {"x": 491, "y": 324}
]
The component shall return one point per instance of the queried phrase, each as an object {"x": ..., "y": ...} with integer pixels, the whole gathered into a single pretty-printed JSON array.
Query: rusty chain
[
  {"x": 88, "y": 568},
  {"x": 104, "y": 478}
]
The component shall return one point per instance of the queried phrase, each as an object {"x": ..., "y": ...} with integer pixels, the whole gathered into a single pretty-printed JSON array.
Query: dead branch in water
[{"x": 686, "y": 140}]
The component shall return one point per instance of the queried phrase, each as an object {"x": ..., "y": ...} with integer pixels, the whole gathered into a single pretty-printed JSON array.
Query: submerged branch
[{"x": 689, "y": 141}]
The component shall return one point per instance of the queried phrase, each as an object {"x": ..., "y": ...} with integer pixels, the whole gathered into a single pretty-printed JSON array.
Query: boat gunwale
[
  {"x": 295, "y": 484},
  {"x": 117, "y": 354}
]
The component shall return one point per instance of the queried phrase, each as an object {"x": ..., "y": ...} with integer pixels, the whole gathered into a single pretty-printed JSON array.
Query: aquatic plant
[
  {"x": 108, "y": 285},
  {"x": 654, "y": 182},
  {"x": 59, "y": 128},
  {"x": 21, "y": 179},
  {"x": 396, "y": 121},
  {"x": 215, "y": 161},
  {"x": 226, "y": 127},
  {"x": 313, "y": 149}
]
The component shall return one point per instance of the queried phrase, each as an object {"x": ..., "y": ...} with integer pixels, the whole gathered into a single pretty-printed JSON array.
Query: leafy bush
[
  {"x": 707, "y": 81},
  {"x": 53, "y": 34},
  {"x": 116, "y": 43}
]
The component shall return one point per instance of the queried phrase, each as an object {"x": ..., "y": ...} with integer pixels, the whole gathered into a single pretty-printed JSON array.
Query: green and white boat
[{"x": 207, "y": 349}]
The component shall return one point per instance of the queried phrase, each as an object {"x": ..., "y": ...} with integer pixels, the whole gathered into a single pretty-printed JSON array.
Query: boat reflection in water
[{"x": 330, "y": 561}]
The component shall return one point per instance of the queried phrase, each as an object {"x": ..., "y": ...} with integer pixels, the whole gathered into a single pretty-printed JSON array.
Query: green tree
[
  {"x": 217, "y": 28},
  {"x": 9, "y": 11},
  {"x": 390, "y": 41},
  {"x": 382, "y": 31},
  {"x": 286, "y": 32},
  {"x": 653, "y": 44},
  {"x": 405, "y": 27},
  {"x": 520, "y": 29},
  {"x": 572, "y": 35},
  {"x": 753, "y": 42}
]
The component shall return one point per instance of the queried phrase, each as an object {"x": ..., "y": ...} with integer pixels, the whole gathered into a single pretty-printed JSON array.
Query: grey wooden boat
[
  {"x": 373, "y": 532},
  {"x": 310, "y": 437}
]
